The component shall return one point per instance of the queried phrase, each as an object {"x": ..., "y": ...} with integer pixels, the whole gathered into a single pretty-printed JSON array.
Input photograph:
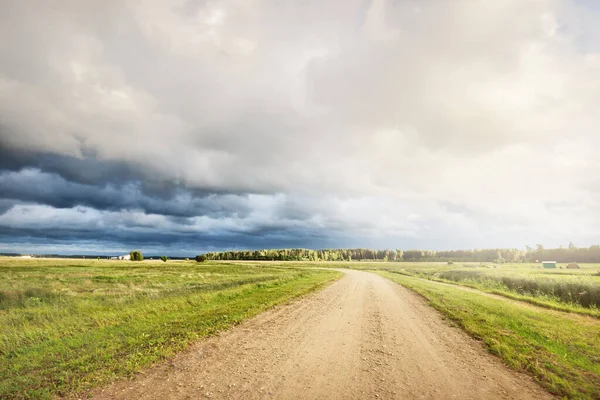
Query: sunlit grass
[{"x": 568, "y": 290}]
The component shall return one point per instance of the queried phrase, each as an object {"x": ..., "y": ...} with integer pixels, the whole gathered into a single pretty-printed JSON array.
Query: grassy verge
[
  {"x": 545, "y": 301},
  {"x": 68, "y": 327},
  {"x": 561, "y": 350},
  {"x": 582, "y": 290},
  {"x": 540, "y": 300}
]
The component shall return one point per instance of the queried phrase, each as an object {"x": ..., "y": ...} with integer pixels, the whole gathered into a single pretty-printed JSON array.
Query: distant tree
[
  {"x": 164, "y": 258},
  {"x": 591, "y": 254},
  {"x": 201, "y": 258},
  {"x": 399, "y": 254},
  {"x": 135, "y": 255},
  {"x": 187, "y": 259}
]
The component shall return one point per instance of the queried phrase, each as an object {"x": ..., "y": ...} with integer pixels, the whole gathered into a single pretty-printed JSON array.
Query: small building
[
  {"x": 573, "y": 266},
  {"x": 549, "y": 264},
  {"x": 125, "y": 257}
]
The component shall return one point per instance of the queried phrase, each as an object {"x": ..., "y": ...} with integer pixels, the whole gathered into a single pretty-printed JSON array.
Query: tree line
[{"x": 568, "y": 254}]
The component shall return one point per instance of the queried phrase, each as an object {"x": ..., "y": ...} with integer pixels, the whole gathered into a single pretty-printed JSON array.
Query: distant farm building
[
  {"x": 573, "y": 266},
  {"x": 549, "y": 264},
  {"x": 125, "y": 257}
]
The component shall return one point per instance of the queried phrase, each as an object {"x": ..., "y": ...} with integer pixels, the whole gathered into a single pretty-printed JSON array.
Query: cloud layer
[{"x": 197, "y": 125}]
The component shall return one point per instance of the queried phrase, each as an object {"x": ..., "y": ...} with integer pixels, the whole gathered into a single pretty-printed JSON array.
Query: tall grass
[{"x": 580, "y": 290}]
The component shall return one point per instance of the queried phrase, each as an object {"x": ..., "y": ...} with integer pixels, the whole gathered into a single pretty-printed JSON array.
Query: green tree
[
  {"x": 164, "y": 258},
  {"x": 136, "y": 255}
]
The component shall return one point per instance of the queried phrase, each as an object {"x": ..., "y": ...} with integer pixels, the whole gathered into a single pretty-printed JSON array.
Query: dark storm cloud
[
  {"x": 190, "y": 243},
  {"x": 7, "y": 204},
  {"x": 86, "y": 170},
  {"x": 33, "y": 185}
]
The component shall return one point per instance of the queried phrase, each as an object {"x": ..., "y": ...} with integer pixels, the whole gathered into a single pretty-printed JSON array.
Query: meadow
[{"x": 67, "y": 326}]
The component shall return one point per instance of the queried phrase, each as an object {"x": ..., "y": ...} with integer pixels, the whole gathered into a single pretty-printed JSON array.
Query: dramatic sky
[{"x": 192, "y": 125}]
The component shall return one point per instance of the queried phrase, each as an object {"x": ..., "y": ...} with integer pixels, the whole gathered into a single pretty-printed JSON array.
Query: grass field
[{"x": 69, "y": 325}]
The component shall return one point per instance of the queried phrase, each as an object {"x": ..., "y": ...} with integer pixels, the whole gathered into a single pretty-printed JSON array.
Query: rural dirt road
[{"x": 363, "y": 337}]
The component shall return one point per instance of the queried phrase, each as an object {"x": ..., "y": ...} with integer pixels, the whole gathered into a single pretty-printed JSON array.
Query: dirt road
[{"x": 362, "y": 337}]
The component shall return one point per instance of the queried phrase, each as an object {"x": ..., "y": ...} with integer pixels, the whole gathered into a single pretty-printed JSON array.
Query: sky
[{"x": 188, "y": 126}]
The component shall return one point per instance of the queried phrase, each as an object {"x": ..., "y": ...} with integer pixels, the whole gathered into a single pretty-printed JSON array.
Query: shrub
[
  {"x": 200, "y": 258},
  {"x": 187, "y": 259},
  {"x": 164, "y": 258},
  {"x": 136, "y": 255}
]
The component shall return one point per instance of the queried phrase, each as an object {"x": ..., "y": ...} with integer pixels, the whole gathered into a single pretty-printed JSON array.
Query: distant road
[{"x": 362, "y": 337}]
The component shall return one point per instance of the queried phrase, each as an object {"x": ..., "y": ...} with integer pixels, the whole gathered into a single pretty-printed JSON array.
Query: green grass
[
  {"x": 555, "y": 294},
  {"x": 575, "y": 289},
  {"x": 561, "y": 350},
  {"x": 67, "y": 326}
]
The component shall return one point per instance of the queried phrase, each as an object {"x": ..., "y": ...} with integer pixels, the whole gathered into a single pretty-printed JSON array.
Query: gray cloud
[
  {"x": 32, "y": 185},
  {"x": 436, "y": 123}
]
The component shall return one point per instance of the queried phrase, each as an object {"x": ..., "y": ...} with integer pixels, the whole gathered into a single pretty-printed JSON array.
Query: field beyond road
[{"x": 69, "y": 325}]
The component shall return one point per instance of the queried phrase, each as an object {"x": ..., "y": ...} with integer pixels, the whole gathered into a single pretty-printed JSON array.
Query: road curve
[{"x": 361, "y": 337}]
